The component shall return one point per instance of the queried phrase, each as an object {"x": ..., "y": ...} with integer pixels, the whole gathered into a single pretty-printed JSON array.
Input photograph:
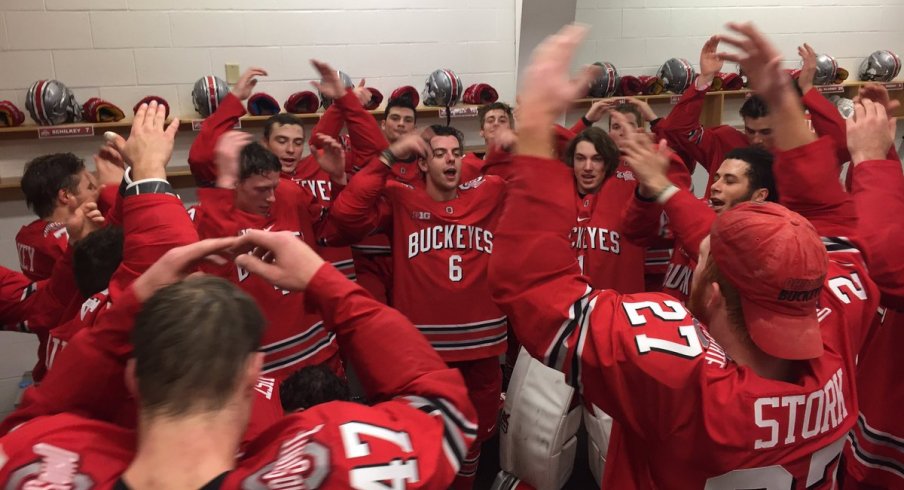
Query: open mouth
[
  {"x": 716, "y": 203},
  {"x": 450, "y": 173}
]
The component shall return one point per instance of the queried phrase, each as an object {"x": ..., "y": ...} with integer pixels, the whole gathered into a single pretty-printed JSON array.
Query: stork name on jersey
[
  {"x": 26, "y": 257},
  {"x": 592, "y": 237},
  {"x": 320, "y": 188},
  {"x": 447, "y": 237},
  {"x": 789, "y": 418}
]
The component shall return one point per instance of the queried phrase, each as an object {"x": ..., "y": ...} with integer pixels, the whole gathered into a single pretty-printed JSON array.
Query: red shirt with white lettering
[
  {"x": 440, "y": 255},
  {"x": 294, "y": 338},
  {"x": 689, "y": 416},
  {"x": 41, "y": 244}
]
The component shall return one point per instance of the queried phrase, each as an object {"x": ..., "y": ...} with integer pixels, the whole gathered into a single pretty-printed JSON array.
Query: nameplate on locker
[
  {"x": 459, "y": 111},
  {"x": 196, "y": 124},
  {"x": 79, "y": 131}
]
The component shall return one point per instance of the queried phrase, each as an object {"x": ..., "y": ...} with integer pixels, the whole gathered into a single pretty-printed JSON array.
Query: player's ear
[
  {"x": 760, "y": 195},
  {"x": 714, "y": 298},
  {"x": 131, "y": 381}
]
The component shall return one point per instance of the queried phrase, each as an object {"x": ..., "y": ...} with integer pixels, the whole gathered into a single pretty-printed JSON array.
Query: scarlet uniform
[
  {"x": 440, "y": 250},
  {"x": 418, "y": 437},
  {"x": 645, "y": 361},
  {"x": 708, "y": 146},
  {"x": 308, "y": 173},
  {"x": 41, "y": 244},
  {"x": 293, "y": 338},
  {"x": 875, "y": 455}
]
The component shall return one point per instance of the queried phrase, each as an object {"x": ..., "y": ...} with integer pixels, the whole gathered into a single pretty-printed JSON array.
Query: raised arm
[
  {"x": 878, "y": 190},
  {"x": 230, "y": 109},
  {"x": 806, "y": 169}
]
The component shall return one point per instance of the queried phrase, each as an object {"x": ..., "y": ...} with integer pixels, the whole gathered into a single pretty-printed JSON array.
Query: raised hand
[
  {"x": 363, "y": 93},
  {"x": 548, "y": 89},
  {"x": 109, "y": 164},
  {"x": 287, "y": 262},
  {"x": 227, "y": 156},
  {"x": 505, "y": 139},
  {"x": 870, "y": 132},
  {"x": 86, "y": 219},
  {"x": 330, "y": 157},
  {"x": 645, "y": 110},
  {"x": 878, "y": 94},
  {"x": 710, "y": 61},
  {"x": 760, "y": 60},
  {"x": 247, "y": 82},
  {"x": 808, "y": 70},
  {"x": 176, "y": 264},
  {"x": 410, "y": 146},
  {"x": 150, "y": 146},
  {"x": 650, "y": 164},
  {"x": 330, "y": 85},
  {"x": 599, "y": 109}
]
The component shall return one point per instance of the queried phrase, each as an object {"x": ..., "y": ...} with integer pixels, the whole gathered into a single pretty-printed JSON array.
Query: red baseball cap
[{"x": 775, "y": 259}]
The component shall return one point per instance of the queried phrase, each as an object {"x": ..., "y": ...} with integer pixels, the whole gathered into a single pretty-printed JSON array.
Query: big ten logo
[{"x": 319, "y": 187}]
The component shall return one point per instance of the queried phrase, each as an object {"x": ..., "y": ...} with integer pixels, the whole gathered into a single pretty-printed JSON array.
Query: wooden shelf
[{"x": 30, "y": 131}]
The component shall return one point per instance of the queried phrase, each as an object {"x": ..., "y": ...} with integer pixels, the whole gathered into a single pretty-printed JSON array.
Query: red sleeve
[
  {"x": 367, "y": 139},
  {"x": 808, "y": 182},
  {"x": 640, "y": 221},
  {"x": 690, "y": 220},
  {"x": 578, "y": 126},
  {"x": 563, "y": 137},
  {"x": 201, "y": 154},
  {"x": 88, "y": 375},
  {"x": 107, "y": 198},
  {"x": 37, "y": 306},
  {"x": 361, "y": 209},
  {"x": 152, "y": 225},
  {"x": 330, "y": 123},
  {"x": 827, "y": 121},
  {"x": 878, "y": 190},
  {"x": 535, "y": 279},
  {"x": 682, "y": 128}
]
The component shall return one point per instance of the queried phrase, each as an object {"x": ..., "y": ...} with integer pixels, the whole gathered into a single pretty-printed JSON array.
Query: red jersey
[
  {"x": 416, "y": 438},
  {"x": 645, "y": 361},
  {"x": 41, "y": 244},
  {"x": 440, "y": 250},
  {"x": 875, "y": 455},
  {"x": 294, "y": 338},
  {"x": 65, "y": 451}
]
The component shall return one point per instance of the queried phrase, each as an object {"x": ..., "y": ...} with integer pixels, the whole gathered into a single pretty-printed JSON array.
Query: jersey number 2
[
  {"x": 375, "y": 477},
  {"x": 675, "y": 312}
]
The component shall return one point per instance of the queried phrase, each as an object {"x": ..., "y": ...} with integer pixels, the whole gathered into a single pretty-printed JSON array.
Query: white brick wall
[{"x": 639, "y": 36}]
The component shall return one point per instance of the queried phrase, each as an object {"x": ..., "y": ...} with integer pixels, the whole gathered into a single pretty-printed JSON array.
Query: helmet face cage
[
  {"x": 347, "y": 82},
  {"x": 606, "y": 84},
  {"x": 207, "y": 94},
  {"x": 50, "y": 102},
  {"x": 442, "y": 89},
  {"x": 880, "y": 66},
  {"x": 677, "y": 74},
  {"x": 826, "y": 70}
]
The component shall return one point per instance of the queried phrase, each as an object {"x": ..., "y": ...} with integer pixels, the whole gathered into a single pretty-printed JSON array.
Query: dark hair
[
  {"x": 404, "y": 102},
  {"x": 492, "y": 106},
  {"x": 603, "y": 144},
  {"x": 45, "y": 176},
  {"x": 312, "y": 385},
  {"x": 282, "y": 119},
  {"x": 191, "y": 343},
  {"x": 95, "y": 258},
  {"x": 754, "y": 108},
  {"x": 257, "y": 160},
  {"x": 631, "y": 109},
  {"x": 440, "y": 130},
  {"x": 759, "y": 169}
]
